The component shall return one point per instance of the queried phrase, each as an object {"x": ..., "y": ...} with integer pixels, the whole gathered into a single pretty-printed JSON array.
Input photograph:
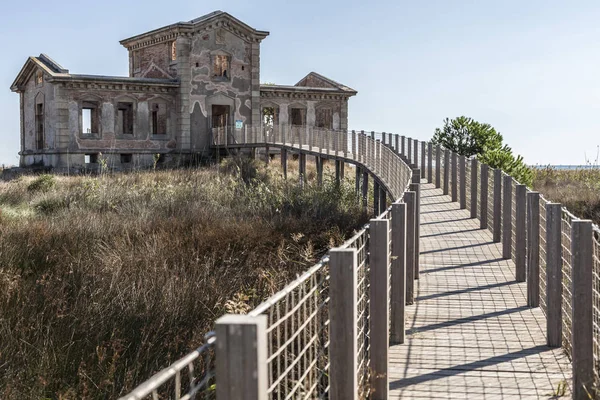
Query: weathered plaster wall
[
  {"x": 285, "y": 104},
  {"x": 153, "y": 62},
  {"x": 108, "y": 138},
  {"x": 206, "y": 91},
  {"x": 32, "y": 94},
  {"x": 311, "y": 81}
]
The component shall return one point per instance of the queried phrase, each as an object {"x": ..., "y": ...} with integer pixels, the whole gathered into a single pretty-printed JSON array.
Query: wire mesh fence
[
  {"x": 490, "y": 202},
  {"x": 543, "y": 257},
  {"x": 298, "y": 337},
  {"x": 513, "y": 245},
  {"x": 479, "y": 190},
  {"x": 567, "y": 287},
  {"x": 596, "y": 302},
  {"x": 191, "y": 377}
]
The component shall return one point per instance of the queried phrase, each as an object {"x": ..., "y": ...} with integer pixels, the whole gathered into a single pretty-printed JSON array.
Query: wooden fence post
[
  {"x": 319, "y": 162},
  {"x": 416, "y": 176},
  {"x": 398, "y": 284},
  {"x": 376, "y": 202},
  {"x": 410, "y": 198},
  {"x": 416, "y": 155},
  {"x": 474, "y": 170},
  {"x": 497, "y": 213},
  {"x": 462, "y": 179},
  {"x": 438, "y": 166},
  {"x": 507, "y": 217},
  {"x": 382, "y": 199},
  {"x": 553, "y": 274},
  {"x": 357, "y": 178},
  {"x": 284, "y": 165},
  {"x": 365, "y": 189},
  {"x": 241, "y": 357},
  {"x": 429, "y": 162},
  {"x": 379, "y": 259},
  {"x": 402, "y": 147},
  {"x": 582, "y": 307},
  {"x": 483, "y": 200},
  {"x": 343, "y": 350},
  {"x": 520, "y": 233},
  {"x": 446, "y": 170},
  {"x": 423, "y": 153},
  {"x": 416, "y": 187},
  {"x": 454, "y": 177},
  {"x": 533, "y": 249}
]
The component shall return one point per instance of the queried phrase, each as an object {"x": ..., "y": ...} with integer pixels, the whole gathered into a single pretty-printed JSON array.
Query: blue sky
[{"x": 529, "y": 68}]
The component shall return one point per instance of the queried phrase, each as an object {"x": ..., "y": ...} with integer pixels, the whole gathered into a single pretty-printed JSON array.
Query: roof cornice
[{"x": 215, "y": 20}]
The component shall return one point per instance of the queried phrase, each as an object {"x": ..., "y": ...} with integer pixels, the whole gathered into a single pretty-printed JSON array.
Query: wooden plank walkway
[{"x": 471, "y": 334}]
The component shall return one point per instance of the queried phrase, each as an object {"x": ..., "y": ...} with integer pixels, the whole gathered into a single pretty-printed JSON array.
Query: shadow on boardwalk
[{"x": 470, "y": 333}]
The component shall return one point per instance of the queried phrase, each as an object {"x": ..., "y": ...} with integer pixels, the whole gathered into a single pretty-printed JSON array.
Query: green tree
[{"x": 468, "y": 137}]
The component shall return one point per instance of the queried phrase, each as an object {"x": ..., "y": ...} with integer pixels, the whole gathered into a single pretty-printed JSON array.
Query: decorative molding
[{"x": 305, "y": 96}]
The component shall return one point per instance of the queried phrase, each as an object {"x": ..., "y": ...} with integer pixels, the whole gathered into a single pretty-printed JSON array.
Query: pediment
[
  {"x": 315, "y": 80},
  {"x": 33, "y": 64}
]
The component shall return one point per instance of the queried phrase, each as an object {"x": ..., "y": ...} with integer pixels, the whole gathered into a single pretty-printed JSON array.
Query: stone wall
[
  {"x": 207, "y": 90},
  {"x": 153, "y": 62}
]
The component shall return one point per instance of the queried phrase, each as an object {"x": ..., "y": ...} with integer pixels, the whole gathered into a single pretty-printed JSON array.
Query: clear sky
[{"x": 528, "y": 68}]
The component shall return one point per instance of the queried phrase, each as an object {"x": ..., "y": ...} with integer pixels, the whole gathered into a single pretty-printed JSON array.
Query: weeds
[
  {"x": 106, "y": 280},
  {"x": 578, "y": 190}
]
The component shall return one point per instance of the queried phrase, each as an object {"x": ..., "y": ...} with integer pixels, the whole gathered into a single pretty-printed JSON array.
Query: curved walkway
[{"x": 471, "y": 334}]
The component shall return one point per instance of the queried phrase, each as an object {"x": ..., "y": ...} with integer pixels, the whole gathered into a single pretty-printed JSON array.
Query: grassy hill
[{"x": 105, "y": 280}]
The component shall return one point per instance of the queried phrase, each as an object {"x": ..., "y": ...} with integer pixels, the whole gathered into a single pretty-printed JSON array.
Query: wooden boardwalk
[{"x": 471, "y": 334}]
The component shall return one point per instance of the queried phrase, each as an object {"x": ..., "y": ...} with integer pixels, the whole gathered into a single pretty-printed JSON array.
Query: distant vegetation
[
  {"x": 578, "y": 190},
  {"x": 468, "y": 137},
  {"x": 106, "y": 280}
]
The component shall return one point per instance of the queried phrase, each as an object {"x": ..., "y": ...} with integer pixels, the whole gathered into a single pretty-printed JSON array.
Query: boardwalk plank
[{"x": 470, "y": 332}]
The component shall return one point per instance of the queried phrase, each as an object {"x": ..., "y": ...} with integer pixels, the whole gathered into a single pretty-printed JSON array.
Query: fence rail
[{"x": 298, "y": 326}]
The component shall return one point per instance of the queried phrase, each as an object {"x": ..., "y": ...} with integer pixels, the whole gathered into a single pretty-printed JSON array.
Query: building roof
[
  {"x": 170, "y": 32},
  {"x": 318, "y": 80},
  {"x": 56, "y": 72},
  {"x": 312, "y": 83}
]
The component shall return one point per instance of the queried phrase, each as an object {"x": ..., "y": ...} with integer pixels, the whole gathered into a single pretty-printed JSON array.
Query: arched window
[{"x": 173, "y": 51}]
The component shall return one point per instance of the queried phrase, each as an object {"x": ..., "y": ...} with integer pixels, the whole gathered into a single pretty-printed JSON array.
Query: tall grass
[
  {"x": 578, "y": 190},
  {"x": 106, "y": 280}
]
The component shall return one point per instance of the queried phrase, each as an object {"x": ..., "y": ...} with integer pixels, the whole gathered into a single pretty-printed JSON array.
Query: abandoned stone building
[{"x": 185, "y": 80}]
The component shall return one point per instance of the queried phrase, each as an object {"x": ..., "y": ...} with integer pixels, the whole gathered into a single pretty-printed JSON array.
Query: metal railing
[
  {"x": 191, "y": 377},
  {"x": 297, "y": 325}
]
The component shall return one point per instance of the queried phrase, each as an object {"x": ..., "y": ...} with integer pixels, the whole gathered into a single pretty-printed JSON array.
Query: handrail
[{"x": 304, "y": 302}]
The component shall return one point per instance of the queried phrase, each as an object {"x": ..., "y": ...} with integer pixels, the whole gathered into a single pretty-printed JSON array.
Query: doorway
[{"x": 220, "y": 123}]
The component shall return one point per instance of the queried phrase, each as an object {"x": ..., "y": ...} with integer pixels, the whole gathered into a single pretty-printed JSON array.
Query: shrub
[{"x": 42, "y": 183}]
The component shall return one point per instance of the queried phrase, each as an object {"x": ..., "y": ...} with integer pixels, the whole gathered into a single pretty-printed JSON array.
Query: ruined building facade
[{"x": 185, "y": 80}]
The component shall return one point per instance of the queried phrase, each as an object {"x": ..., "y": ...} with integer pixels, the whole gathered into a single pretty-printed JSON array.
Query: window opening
[
  {"x": 158, "y": 119},
  {"x": 89, "y": 118},
  {"x": 126, "y": 158},
  {"x": 125, "y": 118},
  {"x": 221, "y": 66},
  {"x": 173, "y": 51},
  {"x": 91, "y": 158},
  {"x": 298, "y": 116},
  {"x": 39, "y": 125},
  {"x": 324, "y": 118},
  {"x": 39, "y": 78}
]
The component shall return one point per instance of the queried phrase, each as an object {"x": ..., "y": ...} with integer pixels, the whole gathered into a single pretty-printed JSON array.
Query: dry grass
[
  {"x": 578, "y": 190},
  {"x": 106, "y": 280}
]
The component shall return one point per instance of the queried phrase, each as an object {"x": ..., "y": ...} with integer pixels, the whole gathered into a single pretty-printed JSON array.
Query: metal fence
[
  {"x": 298, "y": 339},
  {"x": 543, "y": 256},
  {"x": 191, "y": 377},
  {"x": 596, "y": 301}
]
